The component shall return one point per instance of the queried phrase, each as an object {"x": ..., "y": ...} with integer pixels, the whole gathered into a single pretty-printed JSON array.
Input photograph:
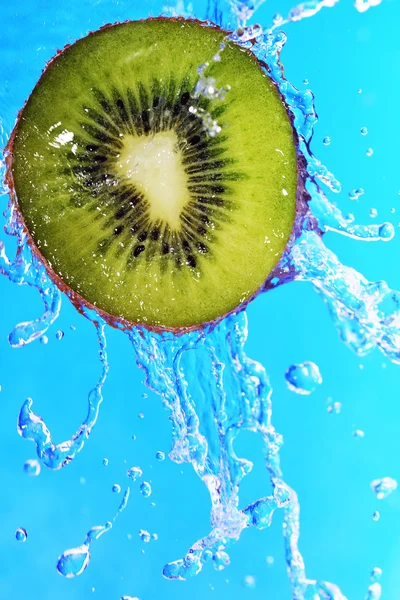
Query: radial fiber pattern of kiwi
[
  {"x": 145, "y": 112},
  {"x": 92, "y": 210}
]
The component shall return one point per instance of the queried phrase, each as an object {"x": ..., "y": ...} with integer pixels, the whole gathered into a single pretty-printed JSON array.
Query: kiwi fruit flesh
[{"x": 134, "y": 206}]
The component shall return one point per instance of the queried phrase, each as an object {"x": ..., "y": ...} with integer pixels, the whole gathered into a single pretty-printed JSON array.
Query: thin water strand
[
  {"x": 304, "y": 10},
  {"x": 32, "y": 427},
  {"x": 74, "y": 561},
  {"x": 228, "y": 400},
  {"x": 27, "y": 269}
]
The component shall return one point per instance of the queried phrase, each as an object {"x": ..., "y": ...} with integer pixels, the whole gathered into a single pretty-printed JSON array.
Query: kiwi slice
[{"x": 135, "y": 208}]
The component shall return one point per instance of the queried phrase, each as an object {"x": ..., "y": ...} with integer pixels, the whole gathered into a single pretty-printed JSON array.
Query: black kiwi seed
[
  {"x": 155, "y": 234},
  {"x": 138, "y": 250}
]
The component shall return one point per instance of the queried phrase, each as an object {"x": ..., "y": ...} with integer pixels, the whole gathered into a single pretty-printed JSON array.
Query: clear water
[
  {"x": 74, "y": 561},
  {"x": 211, "y": 388}
]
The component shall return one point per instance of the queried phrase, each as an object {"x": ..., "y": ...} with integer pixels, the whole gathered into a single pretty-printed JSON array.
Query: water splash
[
  {"x": 32, "y": 427},
  {"x": 27, "y": 269},
  {"x": 229, "y": 400},
  {"x": 303, "y": 11},
  {"x": 74, "y": 561},
  {"x": 211, "y": 388},
  {"x": 241, "y": 394}
]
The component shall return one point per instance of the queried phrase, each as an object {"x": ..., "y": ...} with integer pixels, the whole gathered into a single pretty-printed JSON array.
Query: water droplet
[
  {"x": 355, "y": 194},
  {"x": 72, "y": 327},
  {"x": 249, "y": 581},
  {"x": 21, "y": 534},
  {"x": 358, "y": 434},
  {"x": 116, "y": 488},
  {"x": 303, "y": 378},
  {"x": 376, "y": 574},
  {"x": 359, "y": 91},
  {"x": 160, "y": 455},
  {"x": 82, "y": 480},
  {"x": 369, "y": 152},
  {"x": 376, "y": 516},
  {"x": 386, "y": 231},
  {"x": 154, "y": 536},
  {"x": 129, "y": 598},
  {"x": 277, "y": 19},
  {"x": 305, "y": 81},
  {"x": 144, "y": 536},
  {"x": 393, "y": 210},
  {"x": 134, "y": 473},
  {"x": 145, "y": 489},
  {"x": 141, "y": 415},
  {"x": 44, "y": 339},
  {"x": 59, "y": 334},
  {"x": 333, "y": 407},
  {"x": 105, "y": 461},
  {"x": 363, "y": 131},
  {"x": 74, "y": 561},
  {"x": 373, "y": 213},
  {"x": 326, "y": 141},
  {"x": 270, "y": 560},
  {"x": 32, "y": 467},
  {"x": 207, "y": 555},
  {"x": 383, "y": 487},
  {"x": 221, "y": 560}
]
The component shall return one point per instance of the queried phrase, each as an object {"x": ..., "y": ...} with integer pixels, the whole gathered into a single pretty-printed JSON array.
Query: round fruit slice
[{"x": 136, "y": 208}]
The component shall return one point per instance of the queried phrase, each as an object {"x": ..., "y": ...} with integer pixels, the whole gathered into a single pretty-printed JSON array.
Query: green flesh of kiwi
[{"x": 131, "y": 202}]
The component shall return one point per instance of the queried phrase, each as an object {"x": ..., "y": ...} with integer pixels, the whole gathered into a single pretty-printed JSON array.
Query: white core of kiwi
[{"x": 152, "y": 164}]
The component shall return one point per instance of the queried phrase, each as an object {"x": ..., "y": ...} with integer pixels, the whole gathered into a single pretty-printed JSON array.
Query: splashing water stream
[{"x": 226, "y": 391}]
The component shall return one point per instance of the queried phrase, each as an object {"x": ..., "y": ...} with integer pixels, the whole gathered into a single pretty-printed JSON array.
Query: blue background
[{"x": 338, "y": 51}]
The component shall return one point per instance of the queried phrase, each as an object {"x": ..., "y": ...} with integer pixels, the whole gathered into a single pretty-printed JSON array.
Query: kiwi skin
[{"x": 81, "y": 304}]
